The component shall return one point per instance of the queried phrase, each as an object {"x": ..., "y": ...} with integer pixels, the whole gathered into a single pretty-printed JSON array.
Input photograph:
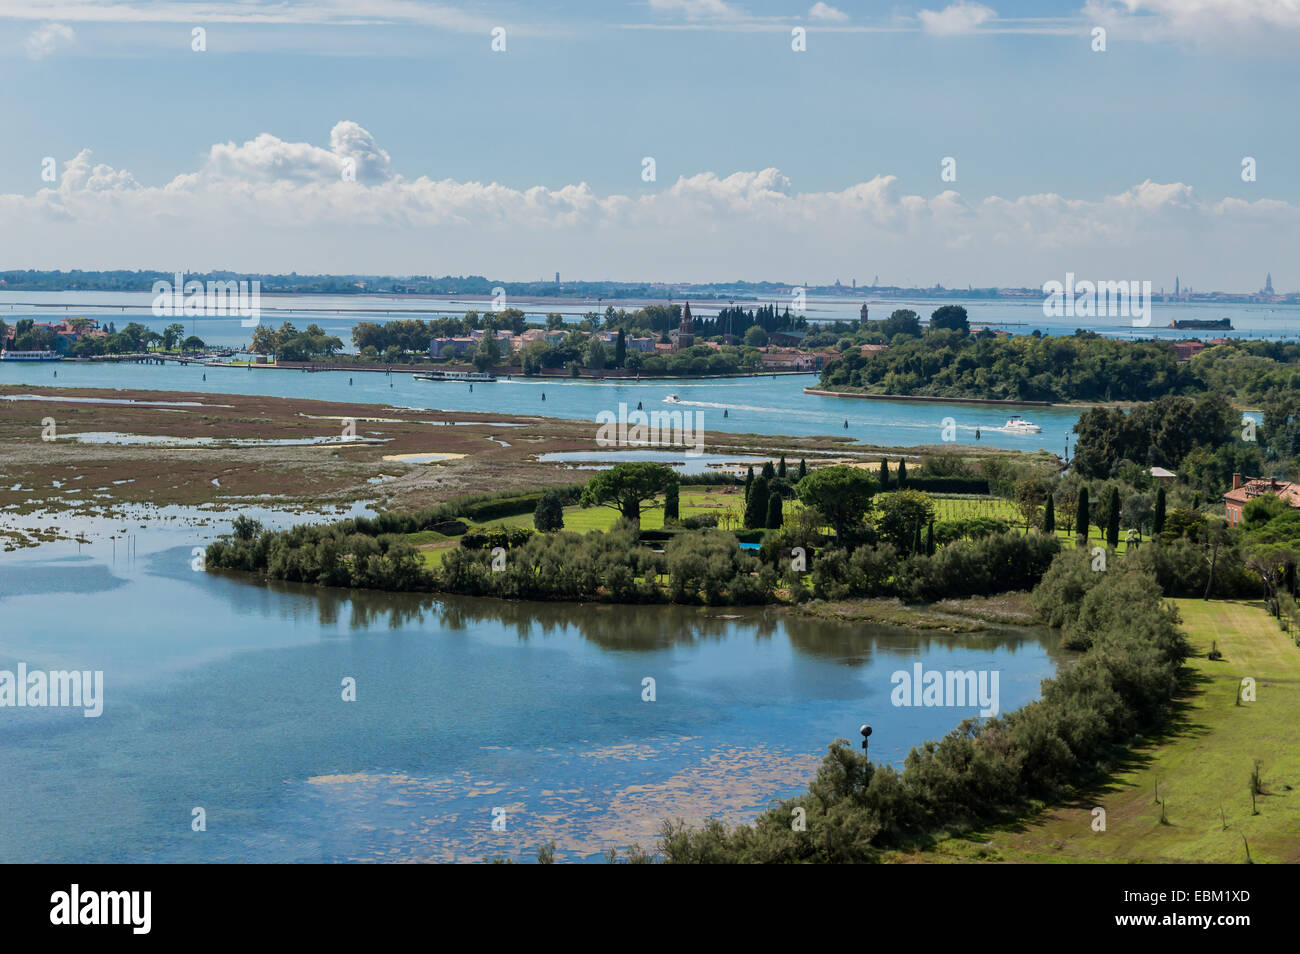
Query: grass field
[
  {"x": 691, "y": 501},
  {"x": 1201, "y": 766}
]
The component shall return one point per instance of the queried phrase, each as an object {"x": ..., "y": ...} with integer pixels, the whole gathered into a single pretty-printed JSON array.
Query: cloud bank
[{"x": 272, "y": 205}]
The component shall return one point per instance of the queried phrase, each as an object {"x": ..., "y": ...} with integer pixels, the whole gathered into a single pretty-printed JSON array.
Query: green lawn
[
  {"x": 1203, "y": 764},
  {"x": 691, "y": 502},
  {"x": 1095, "y": 538},
  {"x": 432, "y": 555}
]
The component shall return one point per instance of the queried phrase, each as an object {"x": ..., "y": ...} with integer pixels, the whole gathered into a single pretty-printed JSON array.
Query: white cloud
[
  {"x": 270, "y": 159},
  {"x": 80, "y": 176},
  {"x": 356, "y": 12},
  {"x": 1251, "y": 26},
  {"x": 698, "y": 9},
  {"x": 824, "y": 11},
  {"x": 1196, "y": 15},
  {"x": 961, "y": 17},
  {"x": 272, "y": 205},
  {"x": 47, "y": 38}
]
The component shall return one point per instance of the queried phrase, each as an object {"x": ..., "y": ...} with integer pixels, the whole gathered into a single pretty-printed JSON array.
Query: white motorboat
[
  {"x": 672, "y": 399},
  {"x": 1018, "y": 425}
]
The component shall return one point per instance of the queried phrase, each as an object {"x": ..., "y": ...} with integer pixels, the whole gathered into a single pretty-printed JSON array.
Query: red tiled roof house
[{"x": 1244, "y": 491}]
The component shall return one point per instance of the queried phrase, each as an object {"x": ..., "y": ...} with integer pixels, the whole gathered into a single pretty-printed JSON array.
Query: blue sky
[{"x": 584, "y": 91}]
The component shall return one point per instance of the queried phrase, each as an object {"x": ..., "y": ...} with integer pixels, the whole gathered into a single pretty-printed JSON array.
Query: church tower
[{"x": 686, "y": 330}]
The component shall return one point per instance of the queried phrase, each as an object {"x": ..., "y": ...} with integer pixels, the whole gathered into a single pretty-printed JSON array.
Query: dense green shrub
[
  {"x": 994, "y": 564},
  {"x": 508, "y": 537},
  {"x": 968, "y": 528},
  {"x": 700, "y": 521},
  {"x": 710, "y": 567}
]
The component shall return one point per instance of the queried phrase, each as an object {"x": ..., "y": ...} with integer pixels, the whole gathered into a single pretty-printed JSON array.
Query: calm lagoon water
[
  {"x": 751, "y": 405},
  {"x": 225, "y": 695},
  {"x": 762, "y": 405}
]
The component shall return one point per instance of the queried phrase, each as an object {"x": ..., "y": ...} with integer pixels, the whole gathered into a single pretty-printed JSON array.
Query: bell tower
[{"x": 686, "y": 330}]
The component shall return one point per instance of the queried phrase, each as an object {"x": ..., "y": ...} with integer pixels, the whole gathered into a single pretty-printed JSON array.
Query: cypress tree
[
  {"x": 916, "y": 537},
  {"x": 620, "y": 349},
  {"x": 671, "y": 503},
  {"x": 1081, "y": 516},
  {"x": 756, "y": 506},
  {"x": 1112, "y": 519},
  {"x": 780, "y": 470},
  {"x": 1049, "y": 515},
  {"x": 902, "y": 474},
  {"x": 1158, "y": 519},
  {"x": 929, "y": 538},
  {"x": 803, "y": 468},
  {"x": 749, "y": 483},
  {"x": 769, "y": 471},
  {"x": 774, "y": 515},
  {"x": 884, "y": 474}
]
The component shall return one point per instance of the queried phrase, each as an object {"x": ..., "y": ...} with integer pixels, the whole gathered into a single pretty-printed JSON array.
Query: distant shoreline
[
  {"x": 451, "y": 288},
  {"x": 928, "y": 398},
  {"x": 547, "y": 374}
]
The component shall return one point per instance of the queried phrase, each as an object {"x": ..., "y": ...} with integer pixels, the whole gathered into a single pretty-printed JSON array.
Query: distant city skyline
[{"x": 485, "y": 285}]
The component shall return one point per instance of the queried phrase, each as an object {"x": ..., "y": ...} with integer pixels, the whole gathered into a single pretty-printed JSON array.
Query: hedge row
[
  {"x": 497, "y": 507},
  {"x": 942, "y": 485}
]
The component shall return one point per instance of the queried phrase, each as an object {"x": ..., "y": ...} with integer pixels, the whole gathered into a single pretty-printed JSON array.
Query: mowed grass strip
[{"x": 1203, "y": 764}]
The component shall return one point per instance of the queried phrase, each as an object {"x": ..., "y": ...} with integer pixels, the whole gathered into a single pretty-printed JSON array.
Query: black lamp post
[{"x": 866, "y": 732}]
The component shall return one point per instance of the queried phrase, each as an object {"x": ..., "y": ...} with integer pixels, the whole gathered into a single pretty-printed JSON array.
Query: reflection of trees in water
[
  {"x": 644, "y": 628},
  {"x": 365, "y": 609},
  {"x": 853, "y": 642},
  {"x": 608, "y": 625},
  {"x": 612, "y": 626}
]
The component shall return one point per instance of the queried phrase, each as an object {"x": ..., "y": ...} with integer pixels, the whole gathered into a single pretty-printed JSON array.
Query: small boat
[
  {"x": 471, "y": 376},
  {"x": 1018, "y": 425},
  {"x": 672, "y": 399}
]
